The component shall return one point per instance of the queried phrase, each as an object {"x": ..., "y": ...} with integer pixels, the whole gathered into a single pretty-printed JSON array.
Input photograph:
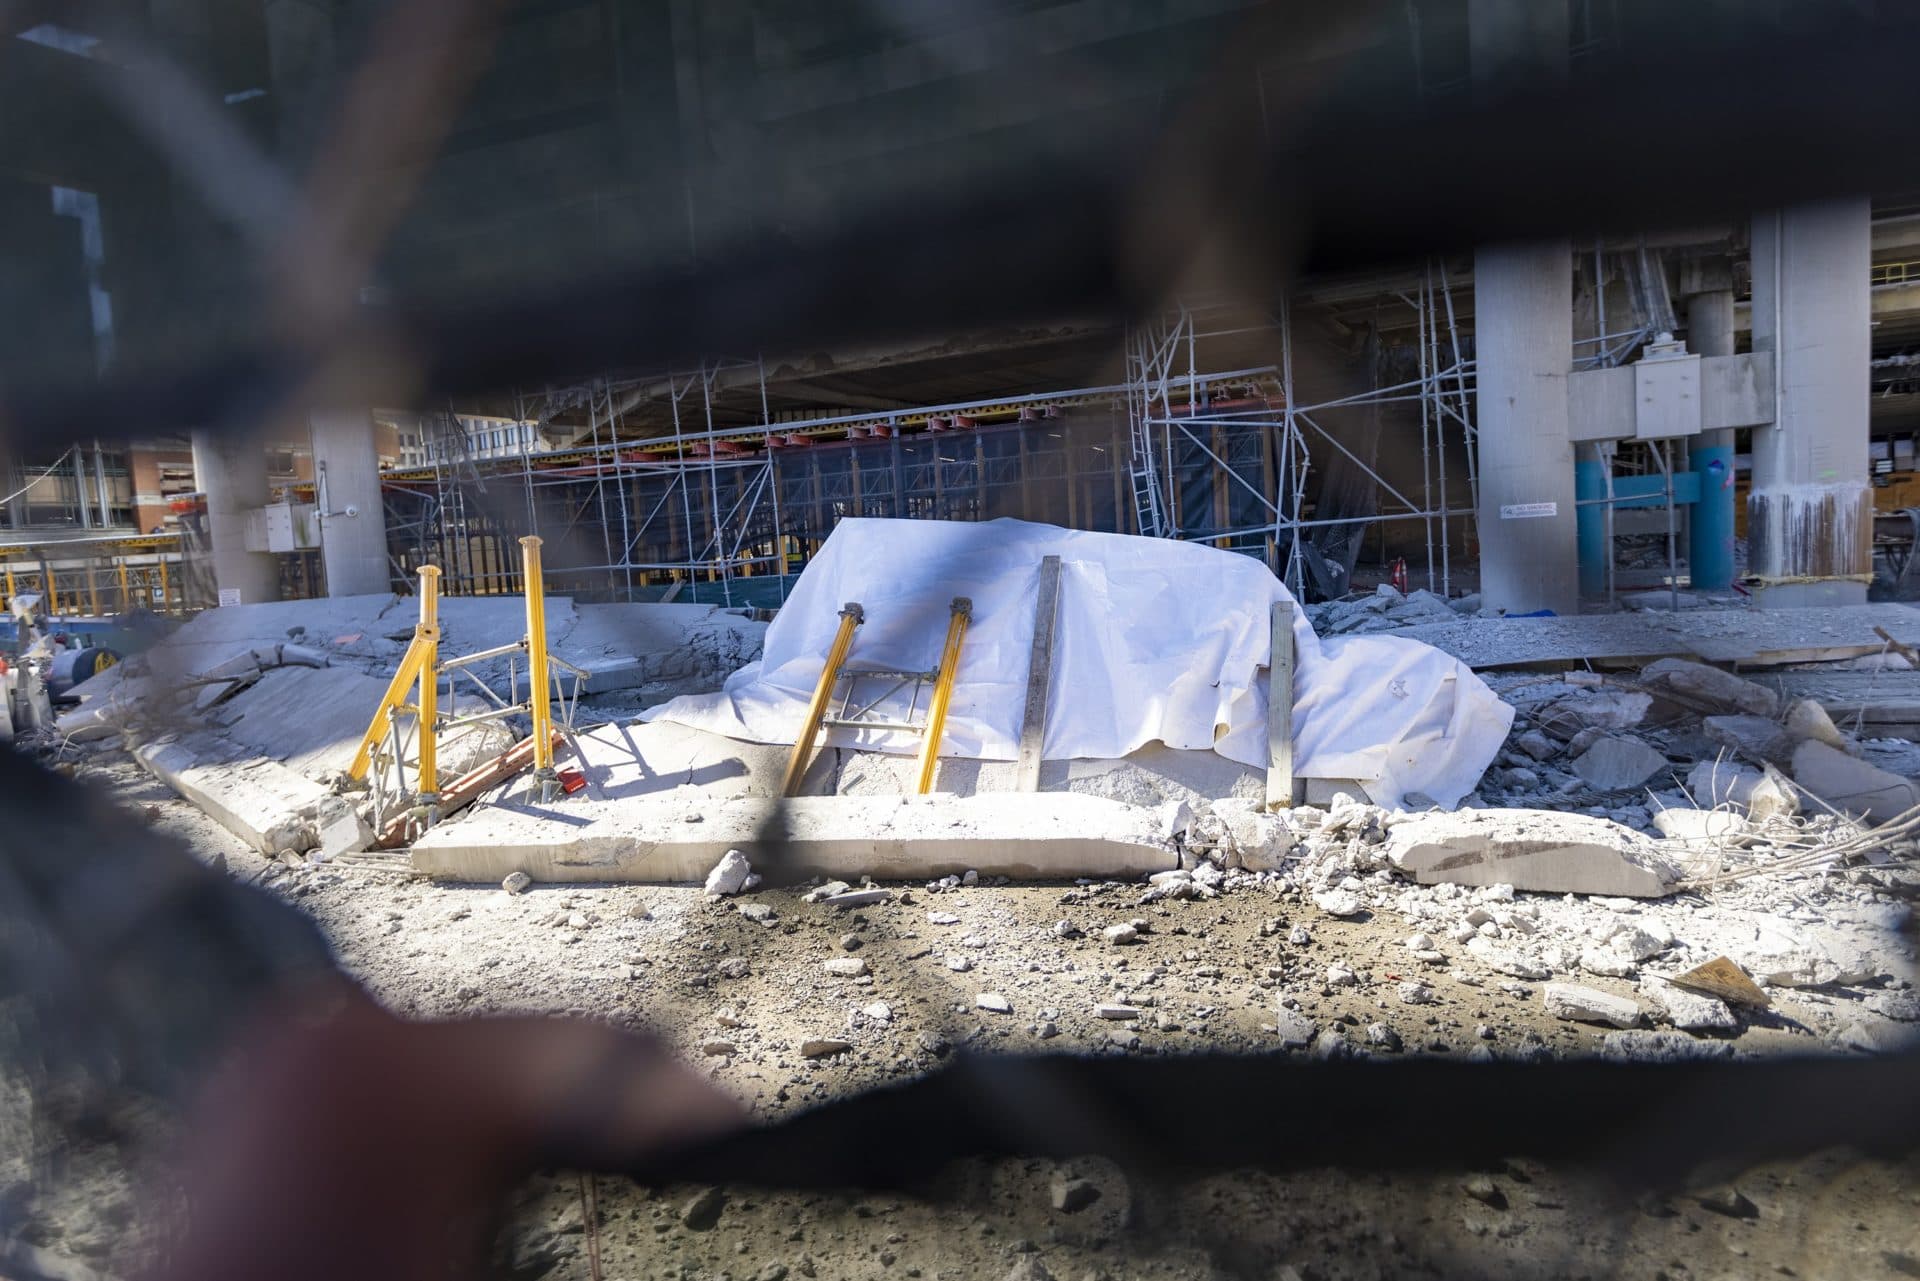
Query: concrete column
[
  {"x": 232, "y": 472},
  {"x": 1523, "y": 343},
  {"x": 1523, "y": 346},
  {"x": 353, "y": 525},
  {"x": 1810, "y": 510},
  {"x": 1710, "y": 524}
]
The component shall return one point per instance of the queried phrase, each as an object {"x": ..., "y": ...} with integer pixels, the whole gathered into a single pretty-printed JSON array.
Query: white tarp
[{"x": 1155, "y": 639}]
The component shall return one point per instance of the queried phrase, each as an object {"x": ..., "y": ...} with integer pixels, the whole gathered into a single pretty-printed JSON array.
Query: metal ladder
[
  {"x": 1148, "y": 506},
  {"x": 837, "y": 673}
]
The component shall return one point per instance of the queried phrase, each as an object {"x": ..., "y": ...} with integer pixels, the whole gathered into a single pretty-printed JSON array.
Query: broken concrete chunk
[
  {"x": 1536, "y": 745},
  {"x": 1806, "y": 718},
  {"x": 1259, "y": 840},
  {"x": 846, "y": 967},
  {"x": 858, "y": 898},
  {"x": 729, "y": 875},
  {"x": 1339, "y": 903},
  {"x": 1660, "y": 1047},
  {"x": 1773, "y": 796},
  {"x": 702, "y": 1210},
  {"x": 1296, "y": 1030},
  {"x": 1753, "y": 738},
  {"x": 1711, "y": 686},
  {"x": 1600, "y": 709},
  {"x": 1072, "y": 1195},
  {"x": 339, "y": 829},
  {"x": 1852, "y": 786},
  {"x": 1688, "y": 1011},
  {"x": 1115, "y": 1010},
  {"x": 1502, "y": 961},
  {"x": 1118, "y": 935},
  {"x": 1640, "y": 944},
  {"x": 1722, "y": 782},
  {"x": 1698, "y": 825},
  {"x": 1612, "y": 764},
  {"x": 1540, "y": 850},
  {"x": 1589, "y": 1005},
  {"x": 1602, "y": 960},
  {"x": 823, "y": 1048},
  {"x": 516, "y": 883},
  {"x": 993, "y": 1003}
]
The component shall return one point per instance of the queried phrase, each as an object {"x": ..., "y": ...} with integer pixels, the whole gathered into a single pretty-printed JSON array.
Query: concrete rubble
[
  {"x": 1552, "y": 888},
  {"x": 1530, "y": 850}
]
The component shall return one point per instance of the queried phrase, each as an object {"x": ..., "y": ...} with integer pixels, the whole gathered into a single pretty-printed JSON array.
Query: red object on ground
[
  {"x": 571, "y": 781},
  {"x": 1400, "y": 575}
]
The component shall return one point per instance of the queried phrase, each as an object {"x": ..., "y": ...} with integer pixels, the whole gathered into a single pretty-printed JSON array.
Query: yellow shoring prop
[
  {"x": 943, "y": 692},
  {"x": 421, "y": 651},
  {"x": 429, "y": 633},
  {"x": 851, "y": 616},
  {"x": 126, "y": 597},
  {"x": 394, "y": 698},
  {"x": 537, "y": 676}
]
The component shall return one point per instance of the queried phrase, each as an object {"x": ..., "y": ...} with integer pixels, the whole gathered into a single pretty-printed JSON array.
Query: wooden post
[
  {"x": 1280, "y": 781},
  {"x": 1222, "y": 517},
  {"x": 1033, "y": 720}
]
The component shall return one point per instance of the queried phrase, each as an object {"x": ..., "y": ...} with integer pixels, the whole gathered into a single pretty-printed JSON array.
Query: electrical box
[
  {"x": 283, "y": 527},
  {"x": 1666, "y": 392}
]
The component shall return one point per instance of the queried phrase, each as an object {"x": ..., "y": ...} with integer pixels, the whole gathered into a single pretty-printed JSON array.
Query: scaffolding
[
  {"x": 1235, "y": 472},
  {"x": 695, "y": 508}
]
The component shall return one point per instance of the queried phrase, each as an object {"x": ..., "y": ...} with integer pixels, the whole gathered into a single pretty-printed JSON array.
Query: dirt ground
[{"x": 738, "y": 997}]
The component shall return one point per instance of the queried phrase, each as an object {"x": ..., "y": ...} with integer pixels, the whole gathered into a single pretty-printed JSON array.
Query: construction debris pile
[{"x": 1619, "y": 829}]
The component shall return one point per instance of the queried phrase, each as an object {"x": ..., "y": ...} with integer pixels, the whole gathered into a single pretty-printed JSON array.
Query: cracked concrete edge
[{"x": 1056, "y": 836}]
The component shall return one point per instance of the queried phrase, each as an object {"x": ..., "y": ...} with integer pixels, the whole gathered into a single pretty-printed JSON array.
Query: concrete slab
[
  {"x": 1698, "y": 825},
  {"x": 1751, "y": 637},
  {"x": 1016, "y": 835},
  {"x": 1538, "y": 850},
  {"x": 1753, "y": 738},
  {"x": 263, "y": 803},
  {"x": 1711, "y": 688},
  {"x": 661, "y": 650},
  {"x": 307, "y": 718},
  {"x": 1576, "y": 1003},
  {"x": 1851, "y": 785}
]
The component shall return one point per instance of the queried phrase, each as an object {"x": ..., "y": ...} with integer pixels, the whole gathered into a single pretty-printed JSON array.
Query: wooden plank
[
  {"x": 1281, "y": 785},
  {"x": 463, "y": 791},
  {"x": 1033, "y": 720}
]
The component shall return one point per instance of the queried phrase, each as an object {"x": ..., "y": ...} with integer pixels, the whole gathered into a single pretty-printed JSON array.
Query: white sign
[
  {"x": 229, "y": 596},
  {"x": 1522, "y": 511}
]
